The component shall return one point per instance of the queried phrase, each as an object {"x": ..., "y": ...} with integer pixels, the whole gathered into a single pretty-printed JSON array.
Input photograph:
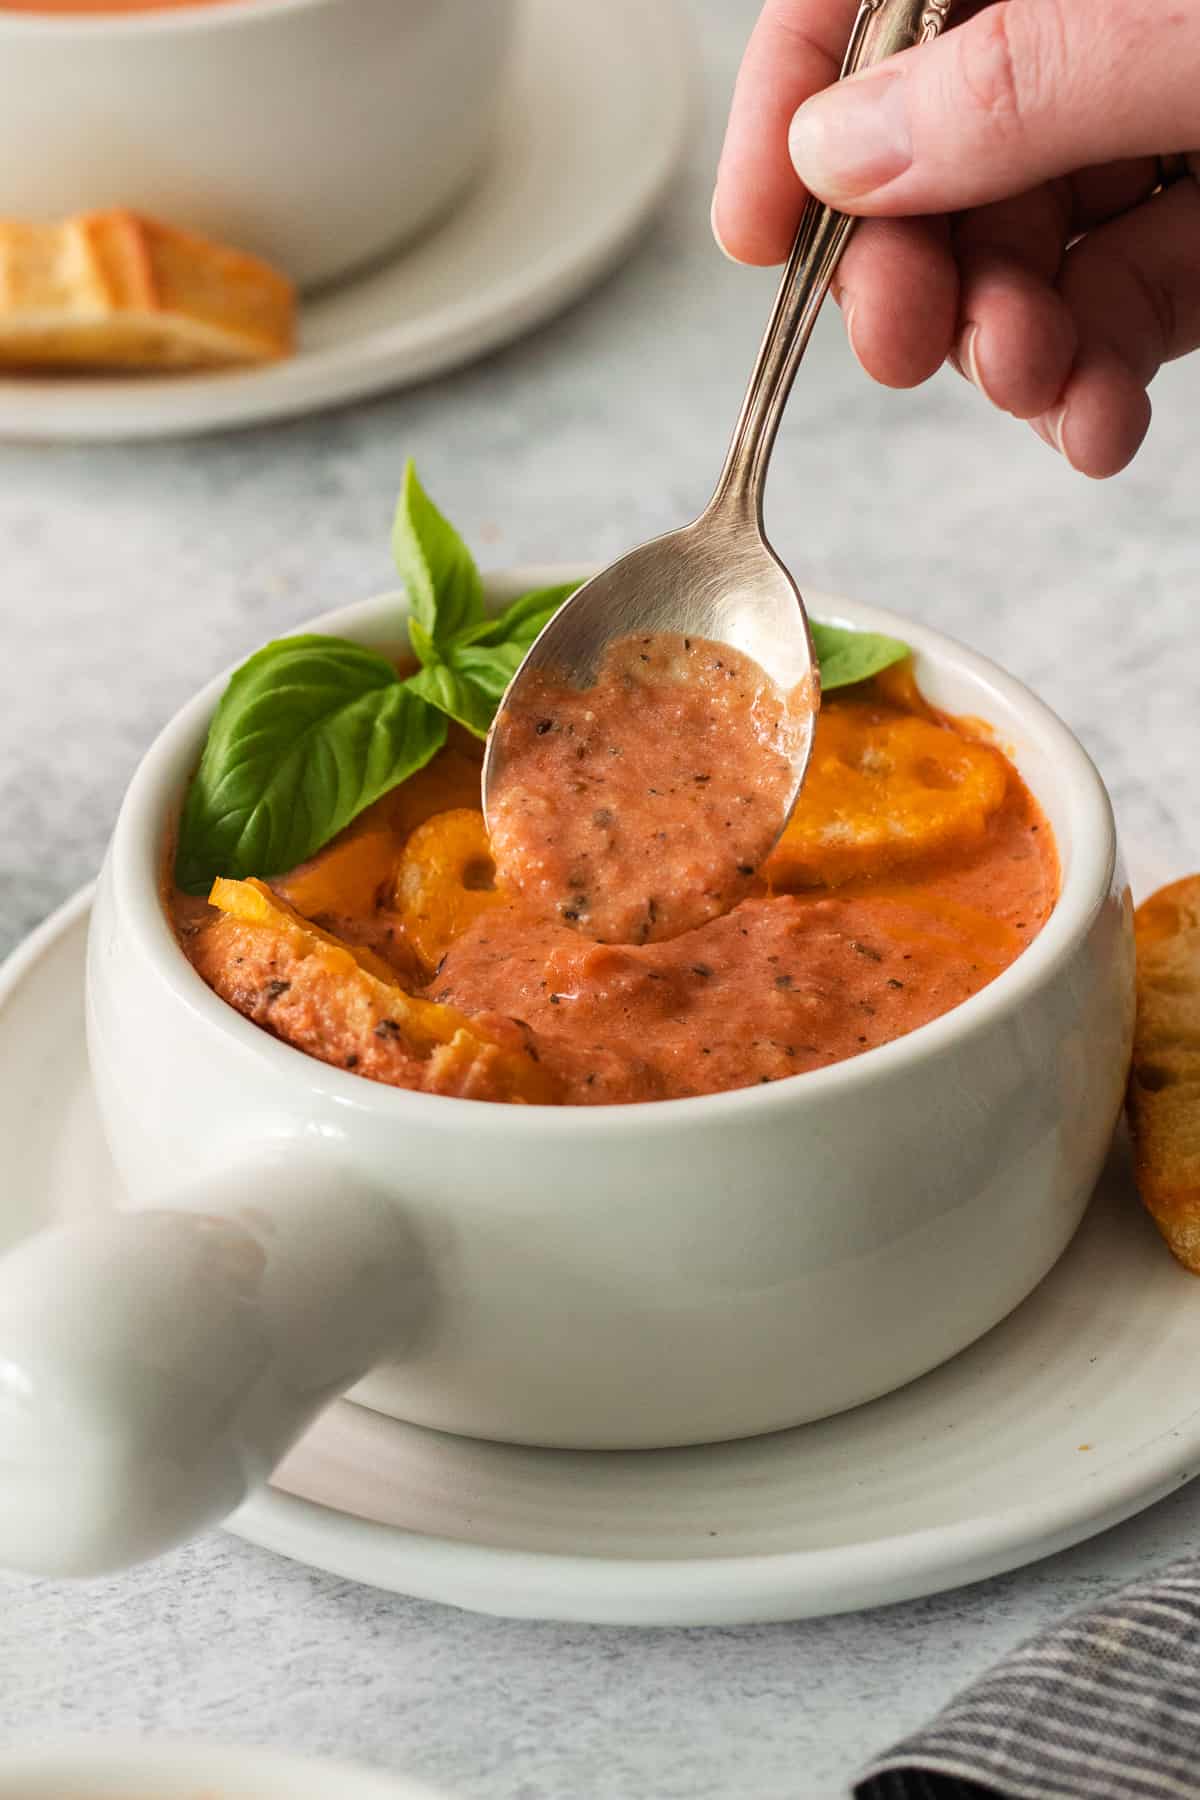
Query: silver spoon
[{"x": 718, "y": 578}]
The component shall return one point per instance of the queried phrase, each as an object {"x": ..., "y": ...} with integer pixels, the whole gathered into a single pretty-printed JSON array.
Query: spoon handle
[{"x": 881, "y": 28}]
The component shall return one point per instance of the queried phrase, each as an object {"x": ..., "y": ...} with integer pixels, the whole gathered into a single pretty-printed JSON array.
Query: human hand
[{"x": 1009, "y": 168}]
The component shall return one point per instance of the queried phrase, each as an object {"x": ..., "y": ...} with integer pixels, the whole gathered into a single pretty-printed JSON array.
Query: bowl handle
[{"x": 156, "y": 1365}]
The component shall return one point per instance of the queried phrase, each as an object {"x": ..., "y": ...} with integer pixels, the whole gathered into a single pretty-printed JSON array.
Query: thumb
[{"x": 1023, "y": 91}]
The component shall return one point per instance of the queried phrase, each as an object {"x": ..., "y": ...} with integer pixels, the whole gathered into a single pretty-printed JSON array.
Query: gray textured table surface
[{"x": 128, "y": 575}]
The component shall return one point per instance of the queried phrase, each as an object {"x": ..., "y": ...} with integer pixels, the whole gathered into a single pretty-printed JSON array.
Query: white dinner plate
[
  {"x": 592, "y": 125},
  {"x": 1074, "y": 1413}
]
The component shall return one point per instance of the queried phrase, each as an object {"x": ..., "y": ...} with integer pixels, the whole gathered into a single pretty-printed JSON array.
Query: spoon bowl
[{"x": 715, "y": 579}]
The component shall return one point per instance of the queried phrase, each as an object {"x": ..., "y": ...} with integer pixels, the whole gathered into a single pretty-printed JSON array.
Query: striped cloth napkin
[{"x": 1103, "y": 1707}]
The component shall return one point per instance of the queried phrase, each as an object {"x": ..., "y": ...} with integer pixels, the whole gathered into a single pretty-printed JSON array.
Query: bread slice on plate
[
  {"x": 115, "y": 290},
  {"x": 1164, "y": 1083}
]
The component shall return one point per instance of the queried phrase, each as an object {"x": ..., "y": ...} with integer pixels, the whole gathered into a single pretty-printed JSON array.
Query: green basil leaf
[
  {"x": 849, "y": 656},
  {"x": 523, "y": 620},
  {"x": 424, "y": 648},
  {"x": 445, "y": 593},
  {"x": 309, "y": 732},
  {"x": 454, "y": 693},
  {"x": 470, "y": 682},
  {"x": 490, "y": 666},
  {"x": 466, "y": 677}
]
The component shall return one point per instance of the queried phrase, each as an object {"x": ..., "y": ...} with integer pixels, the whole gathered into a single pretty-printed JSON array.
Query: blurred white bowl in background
[{"x": 316, "y": 133}]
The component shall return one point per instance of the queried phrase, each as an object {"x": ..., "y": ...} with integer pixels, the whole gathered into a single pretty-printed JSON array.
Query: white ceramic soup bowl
[
  {"x": 317, "y": 133},
  {"x": 628, "y": 1276}
]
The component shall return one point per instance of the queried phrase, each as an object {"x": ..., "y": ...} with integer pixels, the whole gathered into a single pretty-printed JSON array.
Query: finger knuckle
[
  {"x": 790, "y": 23},
  {"x": 1126, "y": 301},
  {"x": 1010, "y": 58},
  {"x": 1153, "y": 303},
  {"x": 988, "y": 67}
]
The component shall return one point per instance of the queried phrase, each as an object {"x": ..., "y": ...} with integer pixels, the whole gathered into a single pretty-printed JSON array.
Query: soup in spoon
[{"x": 641, "y": 806}]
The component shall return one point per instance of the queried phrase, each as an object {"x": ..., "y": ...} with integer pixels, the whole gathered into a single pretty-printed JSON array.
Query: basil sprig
[
  {"x": 308, "y": 732},
  {"x": 311, "y": 730},
  {"x": 445, "y": 592}
]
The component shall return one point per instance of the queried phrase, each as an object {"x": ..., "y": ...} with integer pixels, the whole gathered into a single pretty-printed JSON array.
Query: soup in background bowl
[{"x": 616, "y": 1276}]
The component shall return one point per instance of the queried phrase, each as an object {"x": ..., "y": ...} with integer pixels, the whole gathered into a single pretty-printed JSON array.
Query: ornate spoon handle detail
[
  {"x": 881, "y": 28},
  {"x": 933, "y": 19}
]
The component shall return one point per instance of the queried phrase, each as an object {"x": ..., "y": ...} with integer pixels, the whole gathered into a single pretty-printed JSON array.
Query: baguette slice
[
  {"x": 1164, "y": 1083},
  {"x": 114, "y": 290}
]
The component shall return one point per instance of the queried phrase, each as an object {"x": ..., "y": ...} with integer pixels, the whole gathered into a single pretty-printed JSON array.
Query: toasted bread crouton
[
  {"x": 1164, "y": 1083},
  {"x": 113, "y": 290},
  {"x": 340, "y": 1002}
]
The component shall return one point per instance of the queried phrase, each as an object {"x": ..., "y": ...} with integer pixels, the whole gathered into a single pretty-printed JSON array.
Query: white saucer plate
[
  {"x": 592, "y": 125},
  {"x": 1072, "y": 1415},
  {"x": 131, "y": 1768}
]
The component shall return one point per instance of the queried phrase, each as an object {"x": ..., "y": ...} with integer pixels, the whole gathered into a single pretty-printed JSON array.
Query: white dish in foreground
[
  {"x": 590, "y": 132},
  {"x": 132, "y": 1769},
  {"x": 1065, "y": 1419}
]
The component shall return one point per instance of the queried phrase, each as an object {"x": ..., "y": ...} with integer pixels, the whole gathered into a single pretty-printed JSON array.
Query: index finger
[{"x": 796, "y": 47}]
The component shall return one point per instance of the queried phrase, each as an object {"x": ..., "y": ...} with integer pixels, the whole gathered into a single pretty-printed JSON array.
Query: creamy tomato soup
[
  {"x": 641, "y": 805},
  {"x": 917, "y": 866}
]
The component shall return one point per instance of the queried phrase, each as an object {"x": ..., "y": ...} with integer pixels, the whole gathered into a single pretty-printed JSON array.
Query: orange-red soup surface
[{"x": 917, "y": 867}]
